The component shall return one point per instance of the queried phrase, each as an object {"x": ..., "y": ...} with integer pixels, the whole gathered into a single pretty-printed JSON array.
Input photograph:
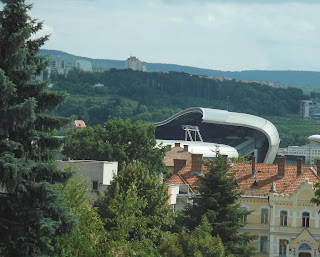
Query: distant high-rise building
[
  {"x": 58, "y": 67},
  {"x": 58, "y": 63},
  {"x": 84, "y": 65},
  {"x": 135, "y": 64},
  {"x": 310, "y": 110}
]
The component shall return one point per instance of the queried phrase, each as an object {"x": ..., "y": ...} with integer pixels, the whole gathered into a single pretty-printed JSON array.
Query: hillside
[
  {"x": 155, "y": 96},
  {"x": 306, "y": 80}
]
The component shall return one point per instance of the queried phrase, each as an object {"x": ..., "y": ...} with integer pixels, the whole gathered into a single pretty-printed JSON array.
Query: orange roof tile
[{"x": 265, "y": 175}]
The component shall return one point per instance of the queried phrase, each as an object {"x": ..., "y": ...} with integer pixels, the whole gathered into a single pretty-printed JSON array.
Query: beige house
[
  {"x": 283, "y": 218},
  {"x": 98, "y": 174}
]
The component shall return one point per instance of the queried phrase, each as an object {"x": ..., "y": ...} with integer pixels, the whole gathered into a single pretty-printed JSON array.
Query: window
[
  {"x": 264, "y": 216},
  {"x": 283, "y": 218},
  {"x": 263, "y": 244},
  {"x": 244, "y": 216},
  {"x": 283, "y": 247},
  {"x": 95, "y": 185},
  {"x": 305, "y": 219}
]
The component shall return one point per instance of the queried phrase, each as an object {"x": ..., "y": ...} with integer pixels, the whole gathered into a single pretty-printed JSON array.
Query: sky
[{"x": 228, "y": 35}]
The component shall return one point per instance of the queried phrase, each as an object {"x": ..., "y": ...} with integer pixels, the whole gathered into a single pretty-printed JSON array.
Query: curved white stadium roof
[
  {"x": 207, "y": 149},
  {"x": 314, "y": 139},
  {"x": 223, "y": 117}
]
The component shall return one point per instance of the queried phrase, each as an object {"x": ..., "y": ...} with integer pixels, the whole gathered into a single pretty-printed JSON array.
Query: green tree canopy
[
  {"x": 198, "y": 242},
  {"x": 217, "y": 201},
  {"x": 118, "y": 140},
  {"x": 32, "y": 211},
  {"x": 89, "y": 237},
  {"x": 135, "y": 206}
]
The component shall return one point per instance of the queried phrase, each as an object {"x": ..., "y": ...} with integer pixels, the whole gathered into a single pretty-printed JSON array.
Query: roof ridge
[
  {"x": 314, "y": 171},
  {"x": 181, "y": 176},
  {"x": 296, "y": 178}
]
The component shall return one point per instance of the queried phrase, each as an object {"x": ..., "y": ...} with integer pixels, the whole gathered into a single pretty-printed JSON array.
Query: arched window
[
  {"x": 264, "y": 216},
  {"x": 283, "y": 218},
  {"x": 305, "y": 219}
]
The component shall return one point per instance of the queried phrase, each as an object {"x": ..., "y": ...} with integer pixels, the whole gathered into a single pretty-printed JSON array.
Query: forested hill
[
  {"x": 154, "y": 96},
  {"x": 303, "y": 79}
]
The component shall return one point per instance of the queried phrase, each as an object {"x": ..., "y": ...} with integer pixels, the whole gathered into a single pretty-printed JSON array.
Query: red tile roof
[
  {"x": 265, "y": 175},
  {"x": 184, "y": 177}
]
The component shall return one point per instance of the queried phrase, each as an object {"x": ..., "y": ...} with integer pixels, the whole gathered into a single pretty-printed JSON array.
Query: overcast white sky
[{"x": 214, "y": 34}]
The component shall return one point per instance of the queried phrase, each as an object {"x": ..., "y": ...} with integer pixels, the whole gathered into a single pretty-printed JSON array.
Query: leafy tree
[
  {"x": 171, "y": 90},
  {"x": 135, "y": 206},
  {"x": 119, "y": 141},
  {"x": 217, "y": 201},
  {"x": 32, "y": 211},
  {"x": 241, "y": 158},
  {"x": 89, "y": 237},
  {"x": 198, "y": 242}
]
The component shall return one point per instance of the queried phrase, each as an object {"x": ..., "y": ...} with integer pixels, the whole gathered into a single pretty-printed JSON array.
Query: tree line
[{"x": 151, "y": 96}]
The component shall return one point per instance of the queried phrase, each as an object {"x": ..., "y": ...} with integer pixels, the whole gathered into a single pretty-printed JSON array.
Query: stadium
[{"x": 207, "y": 130}]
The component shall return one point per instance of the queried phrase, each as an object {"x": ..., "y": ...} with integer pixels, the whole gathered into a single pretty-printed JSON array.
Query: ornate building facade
[{"x": 278, "y": 195}]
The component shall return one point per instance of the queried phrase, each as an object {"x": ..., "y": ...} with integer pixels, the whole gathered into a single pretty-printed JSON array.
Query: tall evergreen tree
[
  {"x": 31, "y": 211},
  {"x": 217, "y": 201}
]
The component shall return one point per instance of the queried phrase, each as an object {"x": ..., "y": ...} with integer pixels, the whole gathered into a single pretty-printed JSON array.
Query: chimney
[
  {"x": 185, "y": 148},
  {"x": 169, "y": 148},
  {"x": 273, "y": 188},
  {"x": 196, "y": 165},
  {"x": 178, "y": 164},
  {"x": 281, "y": 167},
  {"x": 253, "y": 166},
  {"x": 177, "y": 145},
  {"x": 318, "y": 168},
  {"x": 299, "y": 166}
]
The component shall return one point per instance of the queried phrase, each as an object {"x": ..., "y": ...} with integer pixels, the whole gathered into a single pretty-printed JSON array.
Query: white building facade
[
  {"x": 309, "y": 151},
  {"x": 98, "y": 174},
  {"x": 134, "y": 63},
  {"x": 310, "y": 110}
]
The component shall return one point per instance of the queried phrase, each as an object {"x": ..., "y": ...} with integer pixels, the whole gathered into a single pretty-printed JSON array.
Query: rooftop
[{"x": 256, "y": 179}]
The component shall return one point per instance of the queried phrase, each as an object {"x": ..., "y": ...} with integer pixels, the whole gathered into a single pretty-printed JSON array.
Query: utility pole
[{"x": 227, "y": 103}]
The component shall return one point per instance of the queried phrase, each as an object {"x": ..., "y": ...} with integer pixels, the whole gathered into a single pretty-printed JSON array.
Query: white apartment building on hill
[{"x": 134, "y": 63}]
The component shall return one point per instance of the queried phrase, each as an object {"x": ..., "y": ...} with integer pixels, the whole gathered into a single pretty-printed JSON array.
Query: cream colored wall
[
  {"x": 90, "y": 171},
  {"x": 295, "y": 205}
]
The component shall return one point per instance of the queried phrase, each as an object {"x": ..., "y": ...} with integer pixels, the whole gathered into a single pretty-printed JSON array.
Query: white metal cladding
[
  {"x": 314, "y": 139},
  {"x": 206, "y": 149},
  {"x": 223, "y": 117}
]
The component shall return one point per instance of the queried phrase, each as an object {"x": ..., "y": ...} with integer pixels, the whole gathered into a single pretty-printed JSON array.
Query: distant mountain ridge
[{"x": 307, "y": 80}]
